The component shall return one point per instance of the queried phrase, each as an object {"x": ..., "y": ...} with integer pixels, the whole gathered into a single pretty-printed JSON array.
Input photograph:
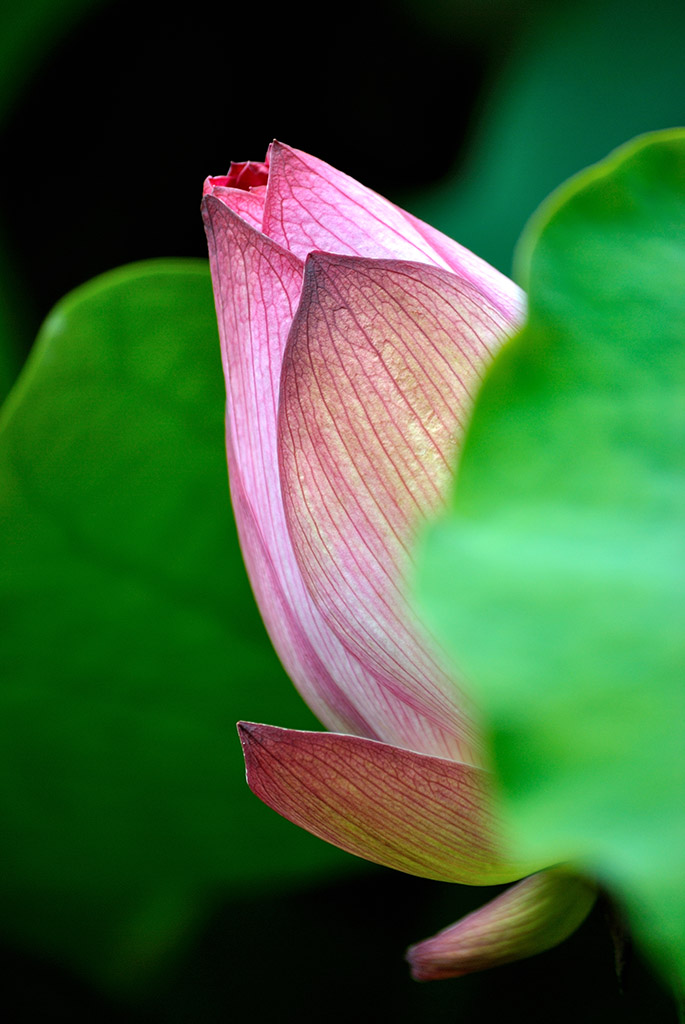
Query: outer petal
[
  {"x": 257, "y": 285},
  {"x": 423, "y": 815},
  {"x": 248, "y": 204},
  {"x": 499, "y": 290},
  {"x": 311, "y": 205},
  {"x": 382, "y": 362},
  {"x": 538, "y": 913}
]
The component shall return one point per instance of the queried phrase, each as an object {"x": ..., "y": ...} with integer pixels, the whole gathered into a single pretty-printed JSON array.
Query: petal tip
[
  {"x": 246, "y": 733},
  {"x": 320, "y": 264},
  {"x": 210, "y": 206},
  {"x": 317, "y": 258},
  {"x": 249, "y": 734},
  {"x": 529, "y": 918},
  {"x": 420, "y": 967}
]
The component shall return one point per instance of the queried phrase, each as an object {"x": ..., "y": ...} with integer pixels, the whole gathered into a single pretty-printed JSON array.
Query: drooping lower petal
[
  {"x": 530, "y": 917},
  {"x": 257, "y": 286},
  {"x": 424, "y": 815},
  {"x": 382, "y": 363}
]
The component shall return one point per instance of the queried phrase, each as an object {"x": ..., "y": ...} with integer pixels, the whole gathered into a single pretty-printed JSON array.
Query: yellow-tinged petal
[
  {"x": 257, "y": 286},
  {"x": 424, "y": 815},
  {"x": 382, "y": 362}
]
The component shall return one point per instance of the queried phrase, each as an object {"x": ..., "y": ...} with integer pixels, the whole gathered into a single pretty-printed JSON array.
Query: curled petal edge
[
  {"x": 424, "y": 815},
  {"x": 529, "y": 918}
]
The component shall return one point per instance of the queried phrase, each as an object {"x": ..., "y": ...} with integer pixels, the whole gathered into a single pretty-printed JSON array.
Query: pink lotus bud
[{"x": 354, "y": 337}]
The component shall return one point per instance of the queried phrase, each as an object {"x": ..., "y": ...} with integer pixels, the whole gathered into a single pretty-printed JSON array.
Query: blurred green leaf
[
  {"x": 131, "y": 643},
  {"x": 558, "y": 578},
  {"x": 579, "y": 79}
]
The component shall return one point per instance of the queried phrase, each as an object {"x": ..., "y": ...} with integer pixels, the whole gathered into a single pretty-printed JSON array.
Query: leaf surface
[
  {"x": 558, "y": 577},
  {"x": 130, "y": 640}
]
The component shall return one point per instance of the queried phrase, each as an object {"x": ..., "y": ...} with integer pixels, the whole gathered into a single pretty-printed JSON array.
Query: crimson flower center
[{"x": 245, "y": 175}]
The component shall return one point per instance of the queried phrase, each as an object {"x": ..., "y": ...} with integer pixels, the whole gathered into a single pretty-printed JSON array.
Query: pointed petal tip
[
  {"x": 276, "y": 150},
  {"x": 249, "y": 731},
  {"x": 317, "y": 259},
  {"x": 212, "y": 202},
  {"x": 243, "y": 730},
  {"x": 319, "y": 269},
  {"x": 210, "y": 205},
  {"x": 316, "y": 266},
  {"x": 249, "y": 735}
]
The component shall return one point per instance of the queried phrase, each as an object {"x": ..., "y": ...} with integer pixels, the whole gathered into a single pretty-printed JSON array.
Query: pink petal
[
  {"x": 538, "y": 913},
  {"x": 311, "y": 205},
  {"x": 248, "y": 205},
  {"x": 423, "y": 815},
  {"x": 499, "y": 290},
  {"x": 382, "y": 363},
  {"x": 257, "y": 285}
]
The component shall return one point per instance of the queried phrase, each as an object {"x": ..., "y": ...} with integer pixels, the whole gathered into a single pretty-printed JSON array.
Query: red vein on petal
[
  {"x": 351, "y": 496},
  {"x": 408, "y": 242},
  {"x": 344, "y": 692},
  {"x": 420, "y": 814}
]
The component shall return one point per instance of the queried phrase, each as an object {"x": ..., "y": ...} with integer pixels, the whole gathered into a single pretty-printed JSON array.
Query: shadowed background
[{"x": 141, "y": 881}]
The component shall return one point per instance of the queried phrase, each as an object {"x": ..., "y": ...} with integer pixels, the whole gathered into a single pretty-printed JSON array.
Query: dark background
[
  {"x": 117, "y": 128},
  {"x": 467, "y": 113}
]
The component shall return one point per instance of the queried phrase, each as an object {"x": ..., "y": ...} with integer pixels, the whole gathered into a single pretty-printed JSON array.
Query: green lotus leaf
[
  {"x": 557, "y": 577},
  {"x": 130, "y": 640}
]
